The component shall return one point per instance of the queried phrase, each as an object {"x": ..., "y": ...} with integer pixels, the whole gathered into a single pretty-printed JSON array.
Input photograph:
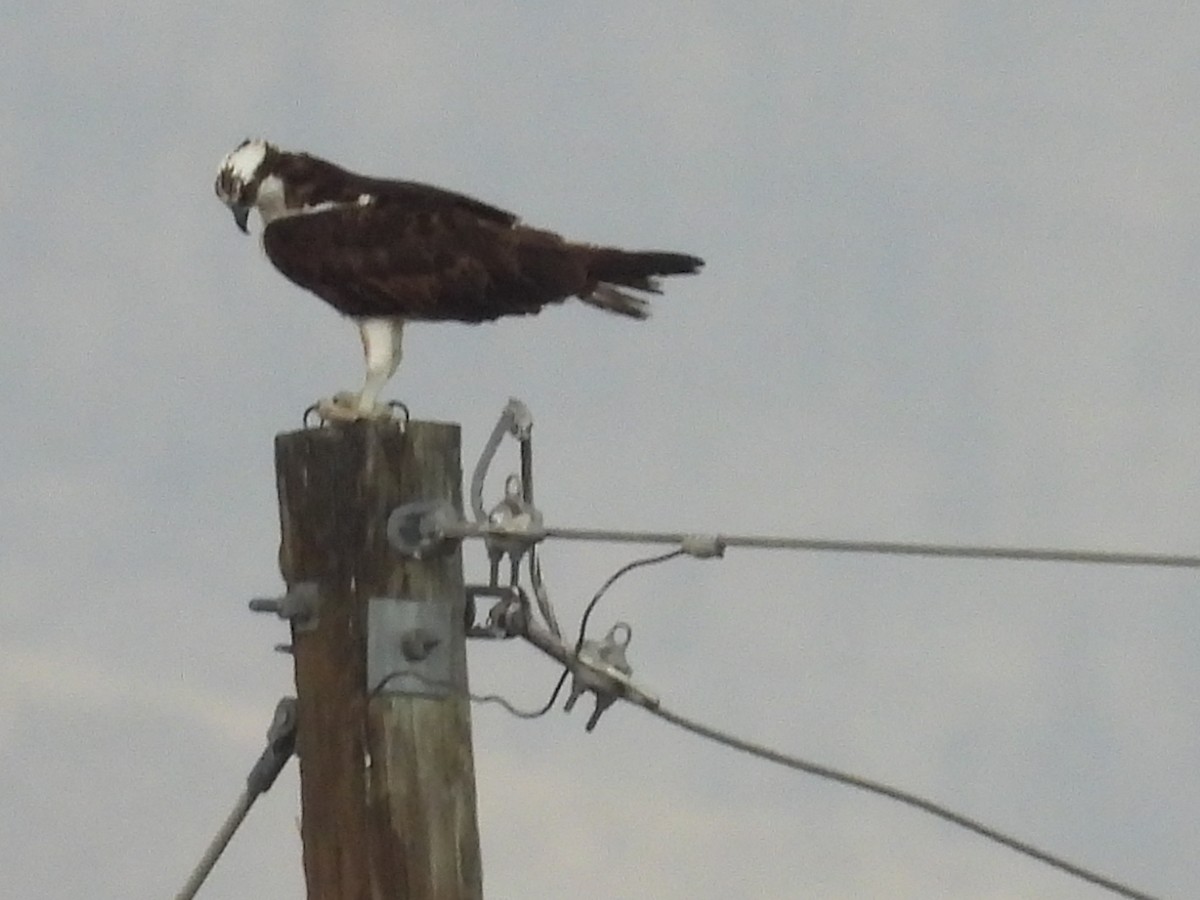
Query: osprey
[{"x": 388, "y": 252}]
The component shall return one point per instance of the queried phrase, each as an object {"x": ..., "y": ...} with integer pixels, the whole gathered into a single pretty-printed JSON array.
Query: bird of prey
[{"x": 386, "y": 252}]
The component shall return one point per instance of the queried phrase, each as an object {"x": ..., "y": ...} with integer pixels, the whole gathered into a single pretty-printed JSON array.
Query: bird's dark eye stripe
[{"x": 229, "y": 187}]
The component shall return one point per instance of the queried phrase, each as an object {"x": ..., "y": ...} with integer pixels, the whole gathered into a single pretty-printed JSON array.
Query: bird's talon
[
  {"x": 345, "y": 407},
  {"x": 341, "y": 407}
]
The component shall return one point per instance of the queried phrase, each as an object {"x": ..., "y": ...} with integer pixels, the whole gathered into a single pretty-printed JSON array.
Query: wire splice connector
[{"x": 703, "y": 546}]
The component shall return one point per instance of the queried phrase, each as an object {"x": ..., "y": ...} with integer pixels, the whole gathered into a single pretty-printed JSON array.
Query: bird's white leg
[
  {"x": 381, "y": 339},
  {"x": 381, "y": 346}
]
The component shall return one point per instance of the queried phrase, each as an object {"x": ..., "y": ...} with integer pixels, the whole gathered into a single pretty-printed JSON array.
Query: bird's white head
[{"x": 241, "y": 175}]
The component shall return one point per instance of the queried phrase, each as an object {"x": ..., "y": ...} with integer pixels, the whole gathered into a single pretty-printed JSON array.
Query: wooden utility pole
[{"x": 387, "y": 781}]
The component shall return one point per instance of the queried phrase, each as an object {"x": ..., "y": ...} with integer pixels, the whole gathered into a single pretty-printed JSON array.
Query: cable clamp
[
  {"x": 510, "y": 524},
  {"x": 602, "y": 668}
]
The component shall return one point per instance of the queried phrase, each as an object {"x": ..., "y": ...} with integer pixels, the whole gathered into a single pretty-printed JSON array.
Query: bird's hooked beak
[{"x": 240, "y": 215}]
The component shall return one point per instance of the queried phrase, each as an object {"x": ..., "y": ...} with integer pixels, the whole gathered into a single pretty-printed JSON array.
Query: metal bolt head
[{"x": 418, "y": 643}]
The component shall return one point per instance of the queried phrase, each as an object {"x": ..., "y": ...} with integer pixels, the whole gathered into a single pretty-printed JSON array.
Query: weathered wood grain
[{"x": 387, "y": 786}]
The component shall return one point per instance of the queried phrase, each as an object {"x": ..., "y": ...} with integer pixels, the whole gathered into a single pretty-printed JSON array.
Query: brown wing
[
  {"x": 387, "y": 259},
  {"x": 417, "y": 196},
  {"x": 313, "y": 180}
]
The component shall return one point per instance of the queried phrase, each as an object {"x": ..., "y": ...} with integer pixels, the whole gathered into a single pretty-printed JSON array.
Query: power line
[
  {"x": 608, "y": 690},
  {"x": 420, "y": 528},
  {"x": 686, "y": 540},
  {"x": 893, "y": 793},
  {"x": 831, "y": 774}
]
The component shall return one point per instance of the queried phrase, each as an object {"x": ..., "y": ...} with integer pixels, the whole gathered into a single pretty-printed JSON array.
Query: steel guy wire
[
  {"x": 281, "y": 744},
  {"x": 217, "y": 846}
]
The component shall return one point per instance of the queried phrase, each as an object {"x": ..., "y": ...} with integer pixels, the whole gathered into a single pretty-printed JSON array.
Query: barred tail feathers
[
  {"x": 611, "y": 269},
  {"x": 606, "y": 297}
]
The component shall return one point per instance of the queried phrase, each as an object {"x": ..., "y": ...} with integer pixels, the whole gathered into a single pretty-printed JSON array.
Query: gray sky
[{"x": 950, "y": 295}]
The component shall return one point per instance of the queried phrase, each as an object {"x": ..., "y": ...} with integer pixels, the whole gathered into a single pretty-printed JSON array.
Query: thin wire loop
[
  {"x": 455, "y": 689},
  {"x": 628, "y": 567}
]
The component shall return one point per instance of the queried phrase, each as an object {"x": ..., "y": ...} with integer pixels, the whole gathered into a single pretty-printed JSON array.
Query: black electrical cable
[{"x": 628, "y": 567}]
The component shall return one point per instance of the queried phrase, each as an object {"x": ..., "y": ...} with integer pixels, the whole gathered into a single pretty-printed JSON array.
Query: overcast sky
[{"x": 950, "y": 295}]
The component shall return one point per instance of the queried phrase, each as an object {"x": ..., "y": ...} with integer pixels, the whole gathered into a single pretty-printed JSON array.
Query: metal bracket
[
  {"x": 408, "y": 647},
  {"x": 299, "y": 606},
  {"x": 428, "y": 528},
  {"x": 507, "y": 618}
]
